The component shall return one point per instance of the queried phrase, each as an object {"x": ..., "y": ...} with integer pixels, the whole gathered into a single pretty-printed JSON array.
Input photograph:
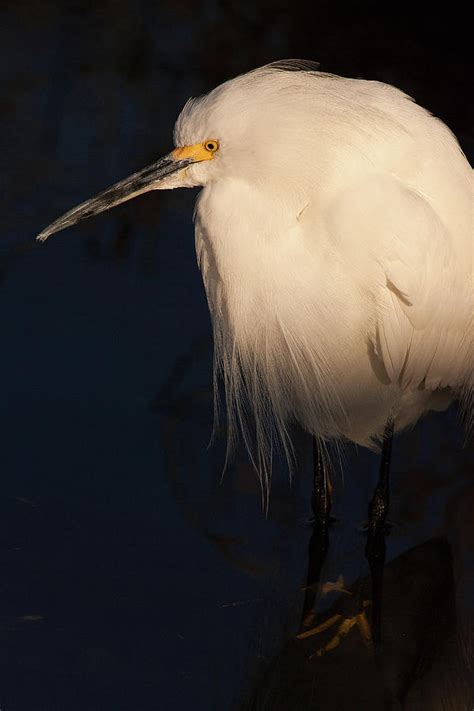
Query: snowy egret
[{"x": 334, "y": 236}]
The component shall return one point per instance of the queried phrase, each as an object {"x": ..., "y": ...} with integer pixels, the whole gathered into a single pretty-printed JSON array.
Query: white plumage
[
  {"x": 335, "y": 241},
  {"x": 334, "y": 233}
]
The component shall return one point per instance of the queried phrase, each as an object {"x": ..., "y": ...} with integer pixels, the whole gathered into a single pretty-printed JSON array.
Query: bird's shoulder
[{"x": 396, "y": 246}]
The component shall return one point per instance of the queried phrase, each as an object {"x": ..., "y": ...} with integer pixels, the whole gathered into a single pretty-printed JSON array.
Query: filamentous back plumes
[{"x": 334, "y": 234}]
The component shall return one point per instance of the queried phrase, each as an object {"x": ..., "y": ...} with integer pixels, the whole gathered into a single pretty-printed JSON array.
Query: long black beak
[{"x": 150, "y": 178}]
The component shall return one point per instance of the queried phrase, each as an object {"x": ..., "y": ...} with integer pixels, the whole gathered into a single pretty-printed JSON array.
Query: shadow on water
[
  {"x": 422, "y": 664},
  {"x": 426, "y": 659}
]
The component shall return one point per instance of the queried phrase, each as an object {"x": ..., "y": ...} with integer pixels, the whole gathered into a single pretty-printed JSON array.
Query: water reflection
[
  {"x": 424, "y": 661},
  {"x": 421, "y": 662}
]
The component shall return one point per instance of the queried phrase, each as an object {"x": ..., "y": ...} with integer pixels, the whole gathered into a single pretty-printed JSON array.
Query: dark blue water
[{"x": 132, "y": 576}]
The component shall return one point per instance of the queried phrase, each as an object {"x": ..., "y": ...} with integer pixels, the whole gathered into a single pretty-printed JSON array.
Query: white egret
[{"x": 334, "y": 236}]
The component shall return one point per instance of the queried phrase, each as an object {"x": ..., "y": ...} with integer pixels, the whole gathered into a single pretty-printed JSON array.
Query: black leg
[
  {"x": 375, "y": 549},
  {"x": 319, "y": 542}
]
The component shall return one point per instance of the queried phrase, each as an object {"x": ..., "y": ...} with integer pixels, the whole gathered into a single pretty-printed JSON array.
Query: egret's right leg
[{"x": 376, "y": 548}]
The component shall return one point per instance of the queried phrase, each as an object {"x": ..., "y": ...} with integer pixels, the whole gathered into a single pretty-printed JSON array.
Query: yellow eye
[{"x": 211, "y": 145}]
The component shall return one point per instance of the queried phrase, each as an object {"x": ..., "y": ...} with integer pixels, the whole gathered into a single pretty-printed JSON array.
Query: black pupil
[{"x": 210, "y": 146}]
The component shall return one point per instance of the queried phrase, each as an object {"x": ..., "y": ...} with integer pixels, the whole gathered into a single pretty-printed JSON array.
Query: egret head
[{"x": 251, "y": 127}]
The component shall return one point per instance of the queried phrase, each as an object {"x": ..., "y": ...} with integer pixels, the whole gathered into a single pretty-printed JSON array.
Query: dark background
[{"x": 131, "y": 576}]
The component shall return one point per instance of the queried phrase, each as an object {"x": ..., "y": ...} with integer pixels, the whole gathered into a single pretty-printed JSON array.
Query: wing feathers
[{"x": 424, "y": 310}]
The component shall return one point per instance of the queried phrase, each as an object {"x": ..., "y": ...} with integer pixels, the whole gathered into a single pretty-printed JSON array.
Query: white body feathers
[{"x": 335, "y": 237}]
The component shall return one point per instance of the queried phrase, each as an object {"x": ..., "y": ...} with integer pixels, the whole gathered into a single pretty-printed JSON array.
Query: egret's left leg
[
  {"x": 376, "y": 548},
  {"x": 319, "y": 542}
]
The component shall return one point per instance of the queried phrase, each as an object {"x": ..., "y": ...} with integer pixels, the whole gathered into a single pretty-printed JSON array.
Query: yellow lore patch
[{"x": 197, "y": 152}]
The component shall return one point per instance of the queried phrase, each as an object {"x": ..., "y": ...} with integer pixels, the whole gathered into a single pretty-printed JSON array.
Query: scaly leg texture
[
  {"x": 319, "y": 542},
  {"x": 375, "y": 549}
]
